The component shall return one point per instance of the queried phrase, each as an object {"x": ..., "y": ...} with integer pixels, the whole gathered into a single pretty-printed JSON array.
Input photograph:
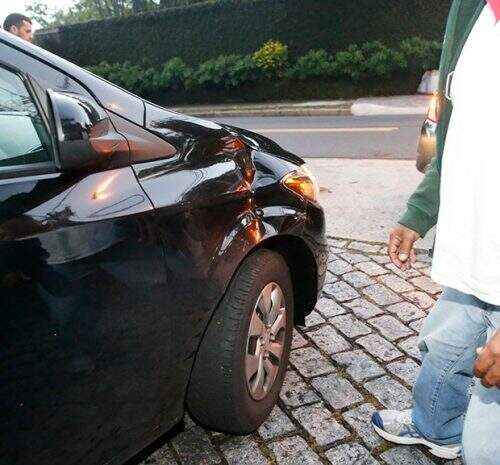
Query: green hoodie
[{"x": 423, "y": 206}]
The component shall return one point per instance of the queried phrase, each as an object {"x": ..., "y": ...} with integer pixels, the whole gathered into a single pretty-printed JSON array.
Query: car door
[{"x": 87, "y": 369}]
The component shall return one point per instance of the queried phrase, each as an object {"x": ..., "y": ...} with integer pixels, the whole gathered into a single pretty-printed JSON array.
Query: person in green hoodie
[{"x": 453, "y": 411}]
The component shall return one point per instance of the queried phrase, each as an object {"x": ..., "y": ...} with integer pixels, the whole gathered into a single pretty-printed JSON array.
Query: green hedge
[
  {"x": 207, "y": 30},
  {"x": 177, "y": 3},
  {"x": 290, "y": 90},
  {"x": 237, "y": 75}
]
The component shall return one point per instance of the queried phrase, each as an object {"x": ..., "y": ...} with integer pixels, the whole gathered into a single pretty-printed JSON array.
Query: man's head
[{"x": 19, "y": 25}]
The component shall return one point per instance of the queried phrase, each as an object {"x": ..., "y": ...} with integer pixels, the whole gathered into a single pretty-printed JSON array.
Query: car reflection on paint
[
  {"x": 427, "y": 141},
  {"x": 150, "y": 262}
]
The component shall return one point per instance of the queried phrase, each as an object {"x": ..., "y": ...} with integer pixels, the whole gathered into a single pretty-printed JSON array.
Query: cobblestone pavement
[{"x": 356, "y": 354}]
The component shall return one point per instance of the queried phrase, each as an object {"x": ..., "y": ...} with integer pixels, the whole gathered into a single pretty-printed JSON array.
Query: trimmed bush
[
  {"x": 132, "y": 77},
  {"x": 268, "y": 67},
  {"x": 272, "y": 58},
  {"x": 176, "y": 3},
  {"x": 288, "y": 89},
  {"x": 174, "y": 74},
  {"x": 382, "y": 61},
  {"x": 420, "y": 54},
  {"x": 207, "y": 30},
  {"x": 371, "y": 59},
  {"x": 350, "y": 63},
  {"x": 226, "y": 71},
  {"x": 315, "y": 63}
]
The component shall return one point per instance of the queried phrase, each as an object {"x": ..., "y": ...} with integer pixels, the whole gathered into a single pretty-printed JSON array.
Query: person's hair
[{"x": 15, "y": 19}]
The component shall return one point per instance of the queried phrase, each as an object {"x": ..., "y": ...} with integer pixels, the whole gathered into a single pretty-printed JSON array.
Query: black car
[{"x": 149, "y": 262}]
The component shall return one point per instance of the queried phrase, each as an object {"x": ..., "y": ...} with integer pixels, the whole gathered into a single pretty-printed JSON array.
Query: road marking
[{"x": 288, "y": 130}]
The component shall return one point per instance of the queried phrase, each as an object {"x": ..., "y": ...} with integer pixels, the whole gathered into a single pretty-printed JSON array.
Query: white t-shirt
[{"x": 467, "y": 252}]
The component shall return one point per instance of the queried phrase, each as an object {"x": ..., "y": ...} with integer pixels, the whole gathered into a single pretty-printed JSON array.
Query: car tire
[{"x": 222, "y": 394}]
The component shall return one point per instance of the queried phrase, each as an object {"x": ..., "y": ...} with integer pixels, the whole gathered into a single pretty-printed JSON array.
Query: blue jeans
[{"x": 443, "y": 409}]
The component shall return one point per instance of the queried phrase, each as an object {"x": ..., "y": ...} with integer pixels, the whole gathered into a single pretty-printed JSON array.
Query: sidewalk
[
  {"x": 365, "y": 198},
  {"x": 398, "y": 105}
]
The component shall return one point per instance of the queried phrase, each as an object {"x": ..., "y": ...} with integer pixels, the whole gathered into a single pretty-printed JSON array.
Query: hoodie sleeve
[{"x": 423, "y": 206}]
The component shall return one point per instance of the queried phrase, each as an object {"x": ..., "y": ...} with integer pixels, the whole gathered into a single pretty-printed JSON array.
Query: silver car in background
[{"x": 427, "y": 141}]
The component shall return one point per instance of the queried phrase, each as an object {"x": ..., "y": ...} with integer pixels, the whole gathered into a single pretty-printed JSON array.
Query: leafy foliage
[
  {"x": 87, "y": 10},
  {"x": 176, "y": 3},
  {"x": 381, "y": 60},
  {"x": 174, "y": 74},
  {"x": 421, "y": 54},
  {"x": 315, "y": 63},
  {"x": 350, "y": 63},
  {"x": 80, "y": 11},
  {"x": 227, "y": 71},
  {"x": 206, "y": 30},
  {"x": 372, "y": 59},
  {"x": 140, "y": 80},
  {"x": 272, "y": 58}
]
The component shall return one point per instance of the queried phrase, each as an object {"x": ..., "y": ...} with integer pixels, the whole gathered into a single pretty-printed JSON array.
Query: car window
[
  {"x": 23, "y": 137},
  {"x": 32, "y": 61}
]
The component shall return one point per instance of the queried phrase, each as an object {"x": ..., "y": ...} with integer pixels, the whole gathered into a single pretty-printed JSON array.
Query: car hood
[{"x": 259, "y": 142}]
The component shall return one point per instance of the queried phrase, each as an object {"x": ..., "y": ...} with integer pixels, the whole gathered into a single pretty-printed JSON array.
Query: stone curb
[
  {"x": 212, "y": 113},
  {"x": 394, "y": 105}
]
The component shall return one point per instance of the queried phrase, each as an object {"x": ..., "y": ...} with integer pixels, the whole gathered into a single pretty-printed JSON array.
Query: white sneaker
[{"x": 398, "y": 427}]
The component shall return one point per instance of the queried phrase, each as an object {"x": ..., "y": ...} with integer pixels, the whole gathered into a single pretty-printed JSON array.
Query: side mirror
[{"x": 85, "y": 135}]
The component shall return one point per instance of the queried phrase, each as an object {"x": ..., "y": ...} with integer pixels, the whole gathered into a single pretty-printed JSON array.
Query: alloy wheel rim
[{"x": 265, "y": 341}]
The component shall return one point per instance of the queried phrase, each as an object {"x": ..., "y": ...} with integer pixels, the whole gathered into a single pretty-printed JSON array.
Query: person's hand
[
  {"x": 400, "y": 247},
  {"x": 487, "y": 366}
]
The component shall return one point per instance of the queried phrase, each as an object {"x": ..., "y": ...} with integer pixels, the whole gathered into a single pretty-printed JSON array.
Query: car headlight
[
  {"x": 434, "y": 108},
  {"x": 303, "y": 183}
]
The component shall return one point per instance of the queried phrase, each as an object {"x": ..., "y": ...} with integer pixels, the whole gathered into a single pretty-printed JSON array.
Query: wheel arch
[{"x": 303, "y": 271}]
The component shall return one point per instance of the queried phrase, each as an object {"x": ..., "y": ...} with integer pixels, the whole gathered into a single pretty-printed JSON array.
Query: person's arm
[
  {"x": 487, "y": 367},
  {"x": 423, "y": 206},
  {"x": 421, "y": 215}
]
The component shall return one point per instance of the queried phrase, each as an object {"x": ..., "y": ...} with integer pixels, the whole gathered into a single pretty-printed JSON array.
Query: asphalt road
[{"x": 356, "y": 137}]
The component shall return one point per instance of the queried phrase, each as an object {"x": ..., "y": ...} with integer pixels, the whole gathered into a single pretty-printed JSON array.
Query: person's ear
[{"x": 14, "y": 29}]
